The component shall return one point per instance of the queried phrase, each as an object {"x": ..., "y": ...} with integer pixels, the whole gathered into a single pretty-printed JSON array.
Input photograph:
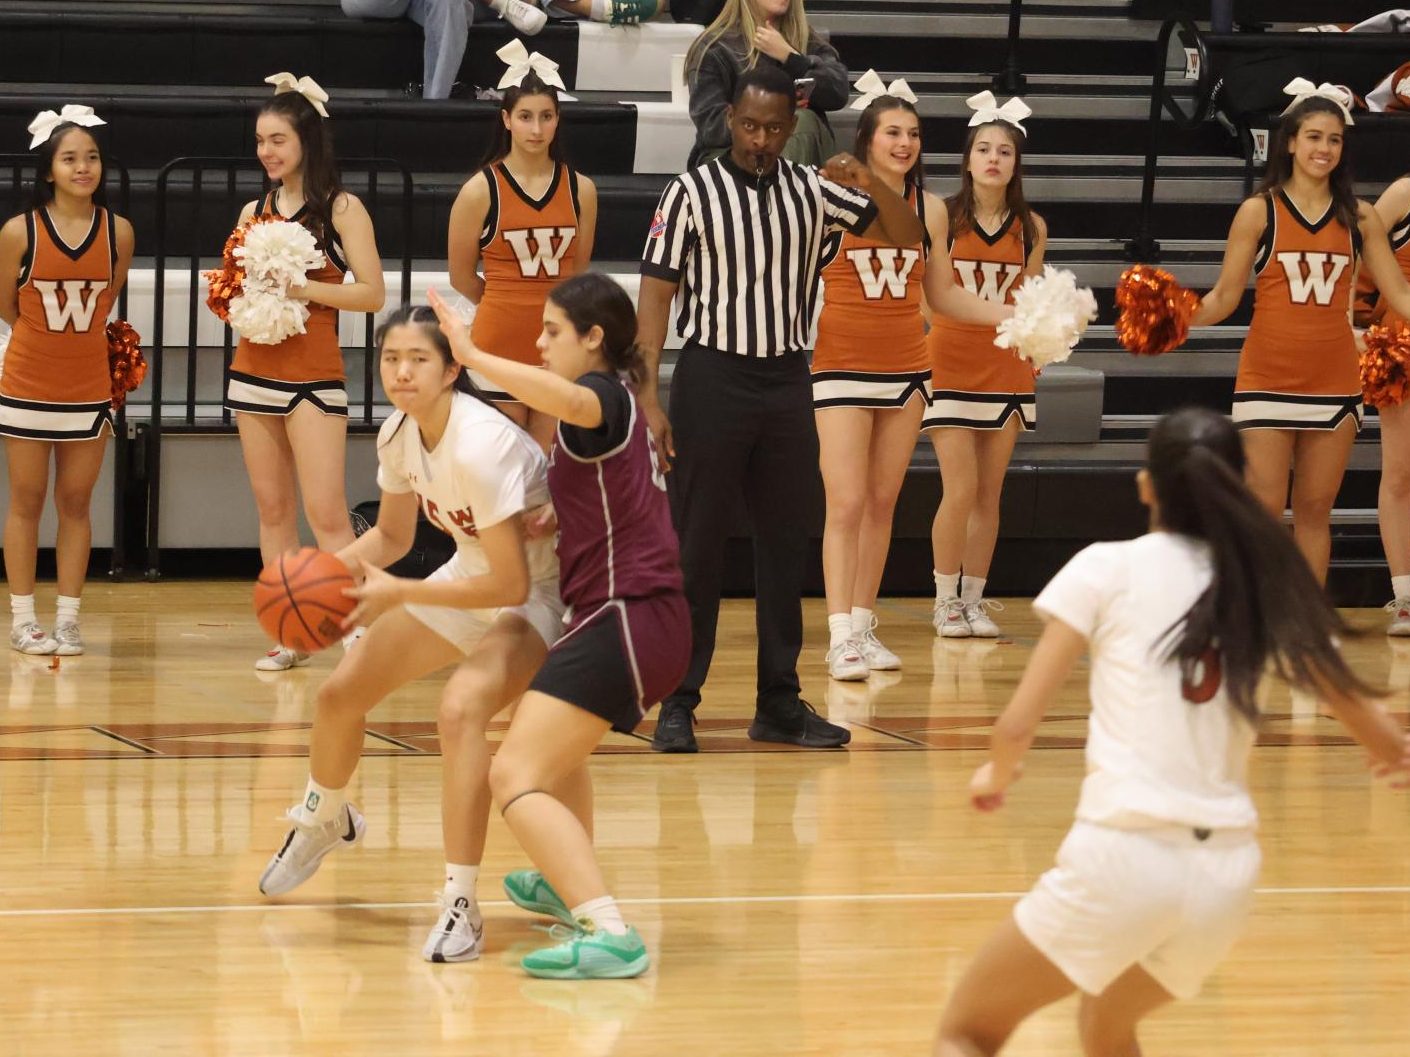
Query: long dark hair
[
  {"x": 1263, "y": 605},
  {"x": 424, "y": 316},
  {"x": 866, "y": 129},
  {"x": 1280, "y": 163},
  {"x": 502, "y": 141},
  {"x": 321, "y": 182},
  {"x": 42, "y": 193},
  {"x": 961, "y": 203},
  {"x": 589, "y": 300}
]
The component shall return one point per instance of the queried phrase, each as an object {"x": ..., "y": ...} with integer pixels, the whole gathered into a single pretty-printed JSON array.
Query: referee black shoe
[
  {"x": 798, "y": 723},
  {"x": 675, "y": 729}
]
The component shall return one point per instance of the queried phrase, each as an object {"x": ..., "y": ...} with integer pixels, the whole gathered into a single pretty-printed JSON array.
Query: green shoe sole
[
  {"x": 613, "y": 971},
  {"x": 518, "y": 896}
]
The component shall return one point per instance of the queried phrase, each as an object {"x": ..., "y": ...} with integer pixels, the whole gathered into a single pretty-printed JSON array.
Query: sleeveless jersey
[
  {"x": 483, "y": 470},
  {"x": 1300, "y": 339},
  {"x": 1400, "y": 242},
  {"x": 872, "y": 289},
  {"x": 58, "y": 350},
  {"x": 526, "y": 246},
  {"x": 964, "y": 357},
  {"x": 616, "y": 538},
  {"x": 315, "y": 355}
]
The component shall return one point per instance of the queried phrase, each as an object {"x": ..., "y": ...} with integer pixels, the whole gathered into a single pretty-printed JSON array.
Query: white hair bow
[
  {"x": 1301, "y": 89},
  {"x": 986, "y": 110},
  {"x": 46, "y": 121},
  {"x": 521, "y": 63},
  {"x": 872, "y": 89},
  {"x": 306, "y": 86}
]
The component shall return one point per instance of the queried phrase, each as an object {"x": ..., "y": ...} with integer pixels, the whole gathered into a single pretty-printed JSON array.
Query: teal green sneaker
[
  {"x": 586, "y": 954},
  {"x": 632, "y": 12},
  {"x": 529, "y": 890}
]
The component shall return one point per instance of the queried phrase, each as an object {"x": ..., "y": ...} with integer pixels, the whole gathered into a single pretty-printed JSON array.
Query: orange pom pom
[
  {"x": 126, "y": 364},
  {"x": 1155, "y": 310},
  {"x": 228, "y": 281},
  {"x": 1385, "y": 366}
]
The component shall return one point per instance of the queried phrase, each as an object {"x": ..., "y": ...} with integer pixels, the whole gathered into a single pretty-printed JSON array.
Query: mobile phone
[{"x": 803, "y": 88}]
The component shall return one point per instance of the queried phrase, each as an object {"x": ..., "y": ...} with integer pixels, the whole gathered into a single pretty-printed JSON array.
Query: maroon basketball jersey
[{"x": 615, "y": 537}]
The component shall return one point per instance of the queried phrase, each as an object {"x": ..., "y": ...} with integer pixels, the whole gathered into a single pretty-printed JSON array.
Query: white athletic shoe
[
  {"x": 526, "y": 18},
  {"x": 1398, "y": 608},
  {"x": 980, "y": 626},
  {"x": 281, "y": 659},
  {"x": 69, "y": 640},
  {"x": 32, "y": 639},
  {"x": 457, "y": 936},
  {"x": 948, "y": 616},
  {"x": 877, "y": 657},
  {"x": 305, "y": 847},
  {"x": 845, "y": 662}
]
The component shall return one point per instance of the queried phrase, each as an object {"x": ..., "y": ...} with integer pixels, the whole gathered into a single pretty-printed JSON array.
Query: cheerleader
[
  {"x": 981, "y": 395},
  {"x": 527, "y": 218},
  {"x": 628, "y": 640},
  {"x": 1155, "y": 879},
  {"x": 493, "y": 608},
  {"x": 1297, "y": 397},
  {"x": 61, "y": 267},
  {"x": 289, "y": 399}
]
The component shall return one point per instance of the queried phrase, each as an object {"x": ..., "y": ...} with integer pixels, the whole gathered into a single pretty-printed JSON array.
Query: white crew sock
[
  {"x": 603, "y": 913},
  {"x": 601, "y": 10},
  {"x": 321, "y": 804},
  {"x": 1399, "y": 585},
  {"x": 460, "y": 884},
  {"x": 861, "y": 620},
  {"x": 21, "y": 610},
  {"x": 947, "y": 585},
  {"x": 839, "y": 629},
  {"x": 972, "y": 589},
  {"x": 67, "y": 610}
]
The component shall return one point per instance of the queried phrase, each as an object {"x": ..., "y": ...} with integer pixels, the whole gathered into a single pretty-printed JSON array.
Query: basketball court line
[{"x": 841, "y": 897}]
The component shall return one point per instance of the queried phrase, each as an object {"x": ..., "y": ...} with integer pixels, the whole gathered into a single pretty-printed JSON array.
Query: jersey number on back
[
  {"x": 1200, "y": 682},
  {"x": 69, "y": 303},
  {"x": 990, "y": 280},
  {"x": 540, "y": 249},
  {"x": 883, "y": 272},
  {"x": 1313, "y": 276}
]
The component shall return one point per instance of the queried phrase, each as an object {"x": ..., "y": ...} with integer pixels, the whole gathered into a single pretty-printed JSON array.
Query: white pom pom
[
  {"x": 1050, "y": 315},
  {"x": 279, "y": 252},
  {"x": 4, "y": 344},
  {"x": 266, "y": 317}
]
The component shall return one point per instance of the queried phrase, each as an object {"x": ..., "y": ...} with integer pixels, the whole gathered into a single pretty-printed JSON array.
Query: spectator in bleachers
[
  {"x": 749, "y": 33},
  {"x": 614, "y": 12},
  {"x": 446, "y": 24}
]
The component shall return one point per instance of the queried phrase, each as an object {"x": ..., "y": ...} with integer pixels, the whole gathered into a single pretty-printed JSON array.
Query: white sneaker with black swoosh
[
  {"x": 458, "y": 934},
  {"x": 305, "y": 847}
]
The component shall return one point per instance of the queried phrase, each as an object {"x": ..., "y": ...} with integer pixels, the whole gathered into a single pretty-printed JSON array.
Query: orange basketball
[{"x": 299, "y": 599}]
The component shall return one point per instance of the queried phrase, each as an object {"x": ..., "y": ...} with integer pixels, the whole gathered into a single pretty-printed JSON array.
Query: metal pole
[{"x": 1010, "y": 79}]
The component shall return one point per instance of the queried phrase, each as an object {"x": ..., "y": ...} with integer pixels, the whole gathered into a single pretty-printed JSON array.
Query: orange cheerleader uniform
[
  {"x": 54, "y": 384},
  {"x": 1299, "y": 368},
  {"x": 275, "y": 379},
  {"x": 526, "y": 246},
  {"x": 974, "y": 384},
  {"x": 1400, "y": 243},
  {"x": 870, "y": 350}
]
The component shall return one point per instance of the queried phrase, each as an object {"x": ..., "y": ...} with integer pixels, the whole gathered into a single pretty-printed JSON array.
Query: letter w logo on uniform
[
  {"x": 540, "y": 248},
  {"x": 1313, "y": 276},
  {"x": 990, "y": 280},
  {"x": 69, "y": 302},
  {"x": 883, "y": 272}
]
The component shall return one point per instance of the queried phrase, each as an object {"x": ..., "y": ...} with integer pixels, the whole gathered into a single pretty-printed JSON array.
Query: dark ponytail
[
  {"x": 1263, "y": 605},
  {"x": 424, "y": 317},
  {"x": 589, "y": 300}
]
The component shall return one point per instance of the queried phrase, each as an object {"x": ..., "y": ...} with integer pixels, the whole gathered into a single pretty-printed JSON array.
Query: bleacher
[{"x": 176, "y": 78}]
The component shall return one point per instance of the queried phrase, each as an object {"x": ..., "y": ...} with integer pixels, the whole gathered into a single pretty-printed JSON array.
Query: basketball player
[
  {"x": 529, "y": 219},
  {"x": 289, "y": 399},
  {"x": 1154, "y": 881},
  {"x": 493, "y": 608},
  {"x": 1297, "y": 398},
  {"x": 628, "y": 638},
  {"x": 61, "y": 267},
  {"x": 981, "y": 395}
]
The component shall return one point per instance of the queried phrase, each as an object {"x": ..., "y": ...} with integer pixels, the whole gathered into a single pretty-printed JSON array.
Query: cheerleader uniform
[
  {"x": 55, "y": 385},
  {"x": 871, "y": 289},
  {"x": 974, "y": 384},
  {"x": 526, "y": 246},
  {"x": 1400, "y": 243},
  {"x": 1299, "y": 367},
  {"x": 275, "y": 379}
]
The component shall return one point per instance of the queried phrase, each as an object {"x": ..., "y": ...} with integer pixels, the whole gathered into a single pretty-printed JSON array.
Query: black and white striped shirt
[{"x": 748, "y": 252}]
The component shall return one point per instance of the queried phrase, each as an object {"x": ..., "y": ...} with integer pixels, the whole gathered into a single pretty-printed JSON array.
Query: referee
[{"x": 736, "y": 242}]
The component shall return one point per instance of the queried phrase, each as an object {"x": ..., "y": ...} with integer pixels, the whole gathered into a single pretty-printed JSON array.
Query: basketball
[{"x": 299, "y": 599}]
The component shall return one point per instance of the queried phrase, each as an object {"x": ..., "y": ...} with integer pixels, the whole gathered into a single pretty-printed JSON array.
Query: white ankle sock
[
  {"x": 1399, "y": 585},
  {"x": 861, "y": 620},
  {"x": 321, "y": 804},
  {"x": 947, "y": 585},
  {"x": 460, "y": 883},
  {"x": 67, "y": 610},
  {"x": 972, "y": 589},
  {"x": 601, "y": 10},
  {"x": 839, "y": 629},
  {"x": 603, "y": 913},
  {"x": 21, "y": 610}
]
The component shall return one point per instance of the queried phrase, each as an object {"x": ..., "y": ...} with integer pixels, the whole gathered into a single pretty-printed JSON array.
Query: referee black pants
[{"x": 743, "y": 427}]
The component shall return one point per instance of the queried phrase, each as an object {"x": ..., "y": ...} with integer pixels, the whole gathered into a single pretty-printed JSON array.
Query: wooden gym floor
[{"x": 794, "y": 902}]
